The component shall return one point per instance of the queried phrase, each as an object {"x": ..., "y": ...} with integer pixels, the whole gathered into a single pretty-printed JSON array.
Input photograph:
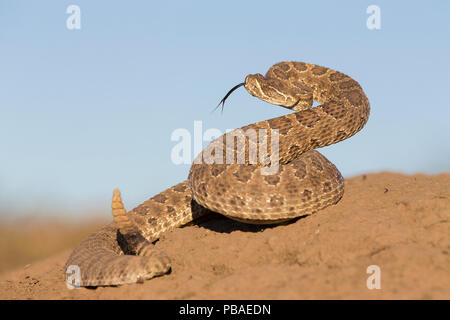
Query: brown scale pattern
[{"x": 305, "y": 182}]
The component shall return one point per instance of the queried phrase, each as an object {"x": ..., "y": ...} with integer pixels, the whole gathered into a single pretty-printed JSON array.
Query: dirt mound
[{"x": 398, "y": 223}]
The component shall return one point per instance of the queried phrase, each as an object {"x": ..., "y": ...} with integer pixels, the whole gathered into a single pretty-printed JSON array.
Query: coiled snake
[{"x": 304, "y": 182}]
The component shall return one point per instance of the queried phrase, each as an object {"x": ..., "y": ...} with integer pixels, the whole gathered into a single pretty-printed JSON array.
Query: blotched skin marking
[
  {"x": 284, "y": 126},
  {"x": 306, "y": 195},
  {"x": 300, "y": 171},
  {"x": 318, "y": 71},
  {"x": 334, "y": 109},
  {"x": 272, "y": 179},
  {"x": 243, "y": 174},
  {"x": 217, "y": 170},
  {"x": 305, "y": 182},
  {"x": 300, "y": 66},
  {"x": 281, "y": 74},
  {"x": 160, "y": 198},
  {"x": 337, "y": 76},
  {"x": 355, "y": 98},
  {"x": 348, "y": 84},
  {"x": 307, "y": 118},
  {"x": 180, "y": 188},
  {"x": 316, "y": 165},
  {"x": 284, "y": 67},
  {"x": 327, "y": 186}
]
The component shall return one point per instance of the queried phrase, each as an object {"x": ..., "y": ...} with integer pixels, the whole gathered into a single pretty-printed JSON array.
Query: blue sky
[{"x": 84, "y": 111}]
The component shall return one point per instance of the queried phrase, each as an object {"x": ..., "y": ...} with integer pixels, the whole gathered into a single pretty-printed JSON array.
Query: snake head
[
  {"x": 278, "y": 92},
  {"x": 294, "y": 95}
]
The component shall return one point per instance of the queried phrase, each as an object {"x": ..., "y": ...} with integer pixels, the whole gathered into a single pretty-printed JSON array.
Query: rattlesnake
[{"x": 306, "y": 181}]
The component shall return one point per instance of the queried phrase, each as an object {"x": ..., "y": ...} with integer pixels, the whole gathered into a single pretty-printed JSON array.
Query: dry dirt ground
[{"x": 400, "y": 223}]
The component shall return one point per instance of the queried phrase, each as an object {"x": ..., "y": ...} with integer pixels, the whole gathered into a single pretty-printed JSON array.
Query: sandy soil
[
  {"x": 29, "y": 239},
  {"x": 397, "y": 222}
]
